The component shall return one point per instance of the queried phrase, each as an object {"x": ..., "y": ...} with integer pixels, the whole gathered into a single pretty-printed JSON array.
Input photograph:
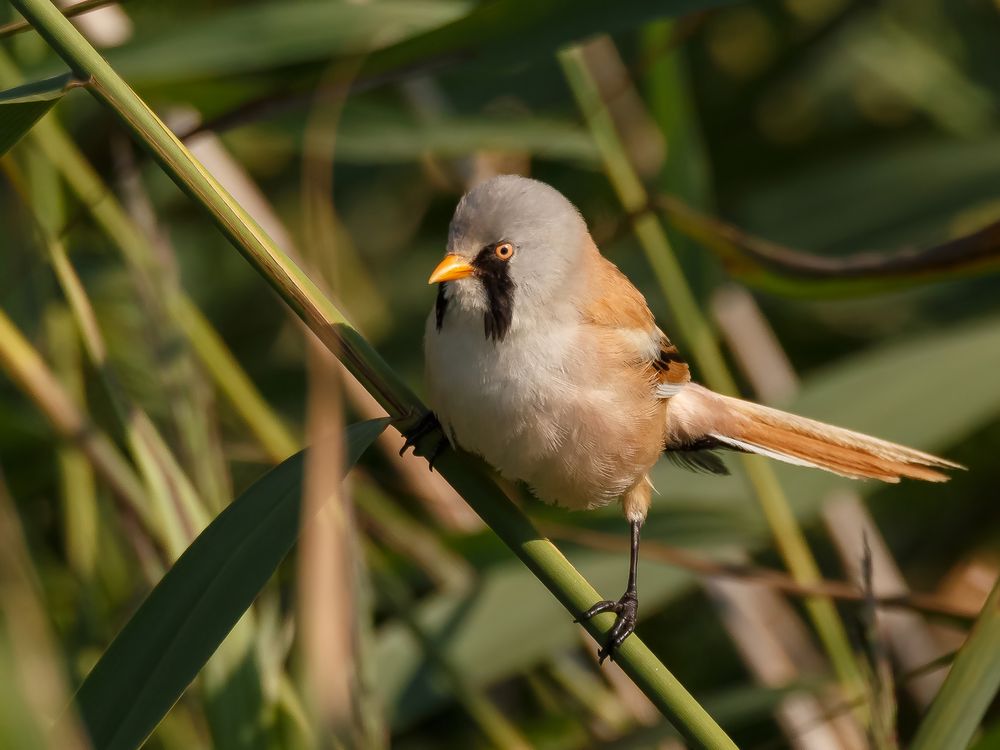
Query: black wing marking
[
  {"x": 672, "y": 372},
  {"x": 698, "y": 455}
]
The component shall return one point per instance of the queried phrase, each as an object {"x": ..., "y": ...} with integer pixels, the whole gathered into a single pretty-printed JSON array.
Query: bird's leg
[
  {"x": 427, "y": 425},
  {"x": 626, "y": 608}
]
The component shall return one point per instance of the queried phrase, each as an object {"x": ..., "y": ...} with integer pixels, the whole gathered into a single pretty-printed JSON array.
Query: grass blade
[
  {"x": 483, "y": 35},
  {"x": 185, "y": 618},
  {"x": 480, "y": 41},
  {"x": 249, "y": 37},
  {"x": 970, "y": 687},
  {"x": 22, "y": 107},
  {"x": 34, "y": 681},
  {"x": 779, "y": 269},
  {"x": 81, "y": 517}
]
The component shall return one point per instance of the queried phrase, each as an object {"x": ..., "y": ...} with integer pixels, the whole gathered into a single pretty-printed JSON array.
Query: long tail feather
[{"x": 753, "y": 428}]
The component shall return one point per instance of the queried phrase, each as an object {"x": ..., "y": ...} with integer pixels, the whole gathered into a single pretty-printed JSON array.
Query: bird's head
[{"x": 514, "y": 249}]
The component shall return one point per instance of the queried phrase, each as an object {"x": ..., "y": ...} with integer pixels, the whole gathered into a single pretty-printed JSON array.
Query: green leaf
[
  {"x": 22, "y": 107},
  {"x": 970, "y": 687},
  {"x": 511, "y": 31},
  {"x": 383, "y": 139},
  {"x": 775, "y": 268},
  {"x": 388, "y": 135},
  {"x": 192, "y": 609},
  {"x": 816, "y": 206},
  {"x": 403, "y": 33},
  {"x": 735, "y": 707},
  {"x": 507, "y": 623},
  {"x": 263, "y": 36}
]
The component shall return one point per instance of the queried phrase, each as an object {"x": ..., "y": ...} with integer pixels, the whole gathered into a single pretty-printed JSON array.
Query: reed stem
[{"x": 696, "y": 331}]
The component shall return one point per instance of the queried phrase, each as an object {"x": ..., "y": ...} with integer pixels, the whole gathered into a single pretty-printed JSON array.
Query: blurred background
[{"x": 828, "y": 127}]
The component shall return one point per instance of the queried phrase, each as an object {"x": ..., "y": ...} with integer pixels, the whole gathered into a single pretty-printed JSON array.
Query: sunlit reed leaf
[
  {"x": 970, "y": 687},
  {"x": 254, "y": 36},
  {"x": 185, "y": 618},
  {"x": 22, "y": 107}
]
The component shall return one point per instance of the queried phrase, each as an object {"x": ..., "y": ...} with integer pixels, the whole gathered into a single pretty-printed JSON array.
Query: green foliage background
[{"x": 829, "y": 125}]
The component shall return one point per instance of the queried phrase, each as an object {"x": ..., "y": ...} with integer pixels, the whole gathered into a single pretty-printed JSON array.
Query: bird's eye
[{"x": 504, "y": 250}]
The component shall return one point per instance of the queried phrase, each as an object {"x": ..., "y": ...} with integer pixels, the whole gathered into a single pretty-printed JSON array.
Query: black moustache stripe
[
  {"x": 494, "y": 274},
  {"x": 440, "y": 306}
]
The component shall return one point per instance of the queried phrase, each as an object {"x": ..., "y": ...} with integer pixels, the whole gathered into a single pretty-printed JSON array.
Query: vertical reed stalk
[{"x": 695, "y": 329}]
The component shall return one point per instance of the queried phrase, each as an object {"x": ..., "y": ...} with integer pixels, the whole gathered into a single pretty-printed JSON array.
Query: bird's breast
[
  {"x": 500, "y": 398},
  {"x": 531, "y": 406}
]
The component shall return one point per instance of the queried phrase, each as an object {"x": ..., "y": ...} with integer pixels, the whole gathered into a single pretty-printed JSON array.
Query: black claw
[
  {"x": 427, "y": 425},
  {"x": 603, "y": 606},
  {"x": 436, "y": 451},
  {"x": 626, "y": 609}
]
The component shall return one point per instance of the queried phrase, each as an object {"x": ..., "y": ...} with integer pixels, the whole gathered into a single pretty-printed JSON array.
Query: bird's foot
[
  {"x": 626, "y": 609},
  {"x": 427, "y": 425}
]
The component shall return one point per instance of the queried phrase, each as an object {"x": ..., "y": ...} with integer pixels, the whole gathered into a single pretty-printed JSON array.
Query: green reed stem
[{"x": 695, "y": 329}]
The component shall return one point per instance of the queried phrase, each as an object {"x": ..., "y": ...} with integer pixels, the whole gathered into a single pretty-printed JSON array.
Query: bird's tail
[{"x": 698, "y": 413}]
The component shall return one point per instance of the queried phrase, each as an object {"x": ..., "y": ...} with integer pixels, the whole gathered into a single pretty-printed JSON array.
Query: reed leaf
[
  {"x": 184, "y": 619},
  {"x": 970, "y": 687},
  {"x": 23, "y": 106}
]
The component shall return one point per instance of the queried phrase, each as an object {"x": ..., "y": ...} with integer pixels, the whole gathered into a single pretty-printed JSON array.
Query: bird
[{"x": 545, "y": 360}]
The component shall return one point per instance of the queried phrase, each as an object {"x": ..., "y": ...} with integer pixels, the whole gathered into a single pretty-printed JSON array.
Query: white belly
[{"x": 526, "y": 406}]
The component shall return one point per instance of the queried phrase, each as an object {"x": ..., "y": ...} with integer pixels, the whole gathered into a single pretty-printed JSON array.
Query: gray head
[{"x": 513, "y": 245}]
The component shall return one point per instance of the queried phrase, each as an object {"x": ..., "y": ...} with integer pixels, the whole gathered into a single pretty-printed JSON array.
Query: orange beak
[{"x": 451, "y": 268}]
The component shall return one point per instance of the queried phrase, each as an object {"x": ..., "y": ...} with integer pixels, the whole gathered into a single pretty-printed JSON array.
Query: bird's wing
[
  {"x": 672, "y": 372},
  {"x": 626, "y": 333},
  {"x": 620, "y": 311},
  {"x": 612, "y": 301}
]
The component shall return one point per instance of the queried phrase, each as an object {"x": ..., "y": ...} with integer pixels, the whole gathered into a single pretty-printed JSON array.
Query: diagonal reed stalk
[
  {"x": 333, "y": 329},
  {"x": 695, "y": 329}
]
